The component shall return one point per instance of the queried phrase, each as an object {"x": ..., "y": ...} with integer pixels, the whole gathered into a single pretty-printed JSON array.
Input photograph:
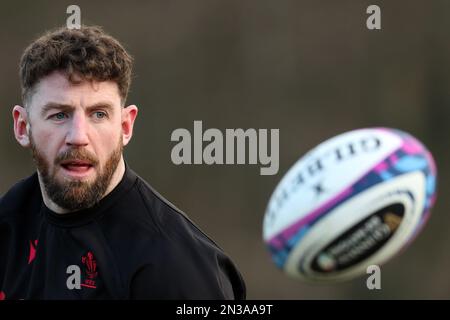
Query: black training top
[{"x": 133, "y": 244}]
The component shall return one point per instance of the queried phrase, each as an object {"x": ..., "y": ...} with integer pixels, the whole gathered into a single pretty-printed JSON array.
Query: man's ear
[
  {"x": 21, "y": 123},
  {"x": 129, "y": 115}
]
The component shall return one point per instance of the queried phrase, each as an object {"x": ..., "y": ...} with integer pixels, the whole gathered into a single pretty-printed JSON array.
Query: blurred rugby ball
[{"x": 355, "y": 200}]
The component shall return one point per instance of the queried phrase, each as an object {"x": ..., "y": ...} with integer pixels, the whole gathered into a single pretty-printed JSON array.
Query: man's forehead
[{"x": 57, "y": 88}]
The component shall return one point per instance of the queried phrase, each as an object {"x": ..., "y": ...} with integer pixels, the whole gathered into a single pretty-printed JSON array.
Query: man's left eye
[{"x": 100, "y": 114}]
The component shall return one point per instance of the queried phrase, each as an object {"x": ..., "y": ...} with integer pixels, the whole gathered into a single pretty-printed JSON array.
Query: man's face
[{"x": 76, "y": 138}]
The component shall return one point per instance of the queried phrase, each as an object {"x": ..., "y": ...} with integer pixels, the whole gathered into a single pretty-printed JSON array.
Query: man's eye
[
  {"x": 100, "y": 114},
  {"x": 59, "y": 116}
]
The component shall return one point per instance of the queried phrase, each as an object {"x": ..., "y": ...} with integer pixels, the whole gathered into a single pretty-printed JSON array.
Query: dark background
[{"x": 309, "y": 68}]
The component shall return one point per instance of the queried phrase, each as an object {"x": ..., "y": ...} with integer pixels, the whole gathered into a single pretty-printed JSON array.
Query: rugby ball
[{"x": 355, "y": 200}]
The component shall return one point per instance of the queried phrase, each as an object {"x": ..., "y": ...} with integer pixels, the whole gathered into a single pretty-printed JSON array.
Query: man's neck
[{"x": 115, "y": 180}]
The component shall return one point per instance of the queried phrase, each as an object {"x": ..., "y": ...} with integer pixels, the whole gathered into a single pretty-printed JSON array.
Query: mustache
[{"x": 77, "y": 154}]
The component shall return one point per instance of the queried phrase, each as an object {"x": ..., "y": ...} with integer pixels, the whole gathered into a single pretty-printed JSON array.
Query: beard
[{"x": 74, "y": 195}]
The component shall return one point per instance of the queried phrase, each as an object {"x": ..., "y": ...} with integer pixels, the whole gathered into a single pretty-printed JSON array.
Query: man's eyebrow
[
  {"x": 101, "y": 105},
  {"x": 55, "y": 106}
]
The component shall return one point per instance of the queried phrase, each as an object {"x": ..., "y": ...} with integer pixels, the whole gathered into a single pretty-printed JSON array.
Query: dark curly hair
[{"x": 87, "y": 53}]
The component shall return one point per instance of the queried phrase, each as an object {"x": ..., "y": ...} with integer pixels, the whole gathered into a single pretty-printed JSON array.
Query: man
[{"x": 85, "y": 226}]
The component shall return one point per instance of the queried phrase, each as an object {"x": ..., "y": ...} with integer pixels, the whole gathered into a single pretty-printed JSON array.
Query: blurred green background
[{"x": 309, "y": 68}]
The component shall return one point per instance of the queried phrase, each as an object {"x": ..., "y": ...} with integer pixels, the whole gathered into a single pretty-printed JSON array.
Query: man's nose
[{"x": 78, "y": 131}]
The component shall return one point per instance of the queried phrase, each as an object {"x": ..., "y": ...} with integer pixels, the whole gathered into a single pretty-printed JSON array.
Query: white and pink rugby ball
[{"x": 355, "y": 200}]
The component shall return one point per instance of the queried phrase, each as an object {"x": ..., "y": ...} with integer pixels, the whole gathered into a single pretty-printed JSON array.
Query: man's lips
[{"x": 77, "y": 165}]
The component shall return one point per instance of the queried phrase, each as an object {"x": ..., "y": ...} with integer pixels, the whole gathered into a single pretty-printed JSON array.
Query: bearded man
[{"x": 85, "y": 226}]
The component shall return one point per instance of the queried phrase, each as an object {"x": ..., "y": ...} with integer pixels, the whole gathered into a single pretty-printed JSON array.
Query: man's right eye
[{"x": 59, "y": 116}]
